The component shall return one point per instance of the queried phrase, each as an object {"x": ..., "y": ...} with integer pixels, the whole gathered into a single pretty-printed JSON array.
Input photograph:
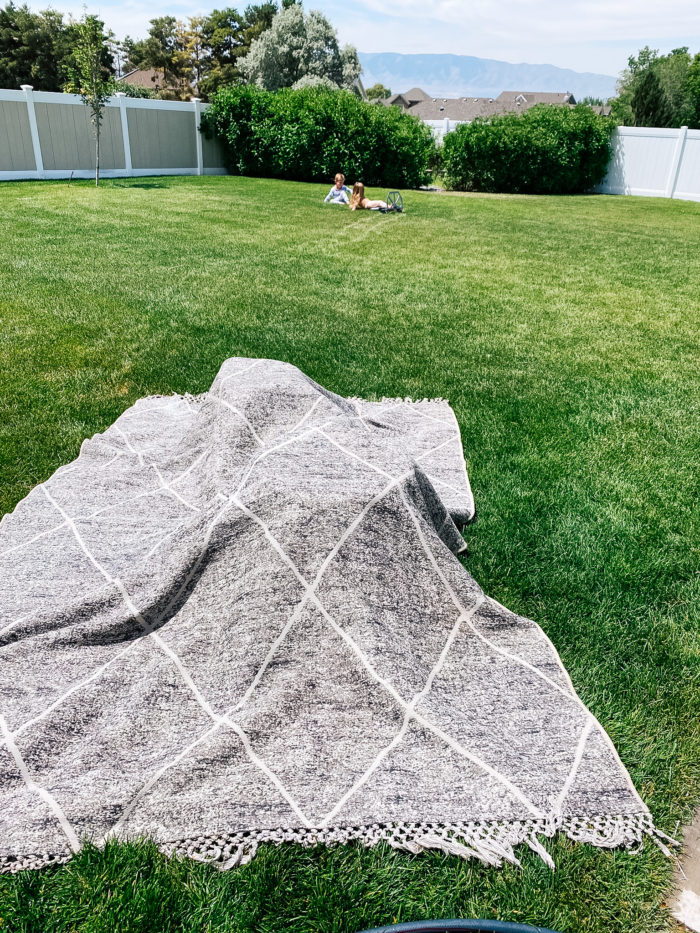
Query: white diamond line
[
  {"x": 441, "y": 482},
  {"x": 293, "y": 617},
  {"x": 257, "y": 761},
  {"x": 49, "y": 531},
  {"x": 578, "y": 757},
  {"x": 31, "y": 785},
  {"x": 149, "y": 629},
  {"x": 310, "y": 593},
  {"x": 240, "y": 414},
  {"x": 372, "y": 466},
  {"x": 192, "y": 465},
  {"x": 155, "y": 777},
  {"x": 166, "y": 767},
  {"x": 14, "y": 624},
  {"x": 164, "y": 483},
  {"x": 76, "y": 533},
  {"x": 601, "y": 732},
  {"x": 437, "y": 667},
  {"x": 460, "y": 608},
  {"x": 42, "y": 534},
  {"x": 573, "y": 696},
  {"x": 172, "y": 492},
  {"x": 129, "y": 445},
  {"x": 233, "y": 725},
  {"x": 227, "y": 503},
  {"x": 307, "y": 415},
  {"x": 420, "y": 718},
  {"x": 239, "y": 372}
]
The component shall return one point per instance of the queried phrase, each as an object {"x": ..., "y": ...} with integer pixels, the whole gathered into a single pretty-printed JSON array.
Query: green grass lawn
[{"x": 565, "y": 333}]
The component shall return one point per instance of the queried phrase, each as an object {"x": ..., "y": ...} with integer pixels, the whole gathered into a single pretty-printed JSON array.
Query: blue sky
[{"x": 586, "y": 35}]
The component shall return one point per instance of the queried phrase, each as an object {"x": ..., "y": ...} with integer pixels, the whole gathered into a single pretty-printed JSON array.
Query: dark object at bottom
[
  {"x": 446, "y": 926},
  {"x": 394, "y": 202}
]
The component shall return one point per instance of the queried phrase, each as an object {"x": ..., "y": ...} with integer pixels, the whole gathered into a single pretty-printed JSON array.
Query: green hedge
[
  {"x": 310, "y": 134},
  {"x": 545, "y": 150}
]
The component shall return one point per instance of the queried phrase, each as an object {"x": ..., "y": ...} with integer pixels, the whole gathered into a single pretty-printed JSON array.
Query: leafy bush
[
  {"x": 135, "y": 90},
  {"x": 548, "y": 149},
  {"x": 312, "y": 133}
]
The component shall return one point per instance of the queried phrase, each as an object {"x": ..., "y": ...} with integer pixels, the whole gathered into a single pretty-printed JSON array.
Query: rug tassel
[{"x": 537, "y": 847}]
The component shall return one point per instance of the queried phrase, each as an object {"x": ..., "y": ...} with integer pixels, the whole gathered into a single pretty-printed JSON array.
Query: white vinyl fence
[
  {"x": 662, "y": 163},
  {"x": 441, "y": 128},
  {"x": 48, "y": 135}
]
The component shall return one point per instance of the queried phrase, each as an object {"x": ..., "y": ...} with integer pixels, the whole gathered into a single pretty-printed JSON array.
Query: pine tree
[{"x": 649, "y": 105}]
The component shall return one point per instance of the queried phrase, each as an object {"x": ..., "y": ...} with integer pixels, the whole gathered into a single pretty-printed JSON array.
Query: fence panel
[
  {"x": 654, "y": 162},
  {"x": 47, "y": 135},
  {"x": 16, "y": 149},
  {"x": 688, "y": 180}
]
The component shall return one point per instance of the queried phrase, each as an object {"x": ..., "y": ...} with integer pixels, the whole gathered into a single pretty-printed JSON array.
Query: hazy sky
[{"x": 586, "y": 35}]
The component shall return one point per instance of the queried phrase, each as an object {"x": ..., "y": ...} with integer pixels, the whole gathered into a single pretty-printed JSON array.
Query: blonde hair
[
  {"x": 339, "y": 177},
  {"x": 358, "y": 195}
]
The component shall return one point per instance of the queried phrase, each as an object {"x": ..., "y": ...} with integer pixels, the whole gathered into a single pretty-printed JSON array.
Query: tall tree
[
  {"x": 649, "y": 104},
  {"x": 691, "y": 95},
  {"x": 89, "y": 77},
  {"x": 195, "y": 47},
  {"x": 165, "y": 50},
  {"x": 670, "y": 70},
  {"x": 299, "y": 46},
  {"x": 34, "y": 48},
  {"x": 223, "y": 37}
]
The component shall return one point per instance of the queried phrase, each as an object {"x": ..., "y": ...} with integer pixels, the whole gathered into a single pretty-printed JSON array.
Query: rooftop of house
[
  {"x": 465, "y": 109},
  {"x": 144, "y": 77}
]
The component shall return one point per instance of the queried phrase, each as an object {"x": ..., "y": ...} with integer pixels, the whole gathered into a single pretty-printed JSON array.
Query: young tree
[
  {"x": 89, "y": 77},
  {"x": 649, "y": 105},
  {"x": 296, "y": 46}
]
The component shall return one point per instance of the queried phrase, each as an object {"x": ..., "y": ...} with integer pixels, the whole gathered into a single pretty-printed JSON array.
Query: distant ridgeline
[{"x": 466, "y": 76}]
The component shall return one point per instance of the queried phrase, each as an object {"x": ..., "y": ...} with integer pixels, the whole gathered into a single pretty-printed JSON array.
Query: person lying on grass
[
  {"x": 358, "y": 199},
  {"x": 339, "y": 192}
]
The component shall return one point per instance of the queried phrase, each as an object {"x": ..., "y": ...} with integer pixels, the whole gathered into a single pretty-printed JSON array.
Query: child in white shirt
[{"x": 339, "y": 193}]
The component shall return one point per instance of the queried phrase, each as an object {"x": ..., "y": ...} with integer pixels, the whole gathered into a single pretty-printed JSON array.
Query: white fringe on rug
[{"x": 491, "y": 843}]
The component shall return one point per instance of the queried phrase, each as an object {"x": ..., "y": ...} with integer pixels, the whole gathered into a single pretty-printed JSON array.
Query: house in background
[
  {"x": 442, "y": 114},
  {"x": 151, "y": 78}
]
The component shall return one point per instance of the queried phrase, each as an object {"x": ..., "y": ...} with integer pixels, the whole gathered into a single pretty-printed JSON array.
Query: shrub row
[
  {"x": 545, "y": 150},
  {"x": 312, "y": 133}
]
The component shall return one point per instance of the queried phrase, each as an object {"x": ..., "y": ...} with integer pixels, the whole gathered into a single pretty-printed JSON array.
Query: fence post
[
  {"x": 676, "y": 162},
  {"x": 198, "y": 136},
  {"x": 128, "y": 168},
  {"x": 446, "y": 130},
  {"x": 33, "y": 129}
]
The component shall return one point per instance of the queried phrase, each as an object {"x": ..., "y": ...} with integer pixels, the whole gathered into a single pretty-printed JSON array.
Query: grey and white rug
[{"x": 239, "y": 617}]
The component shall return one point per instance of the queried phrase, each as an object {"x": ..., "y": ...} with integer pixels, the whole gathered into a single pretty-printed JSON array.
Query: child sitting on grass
[
  {"x": 358, "y": 199},
  {"x": 339, "y": 192}
]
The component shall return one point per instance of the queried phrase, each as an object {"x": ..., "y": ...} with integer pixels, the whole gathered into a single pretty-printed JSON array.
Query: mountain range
[{"x": 467, "y": 76}]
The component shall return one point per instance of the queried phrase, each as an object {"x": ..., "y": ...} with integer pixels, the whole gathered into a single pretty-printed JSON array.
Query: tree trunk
[{"x": 97, "y": 153}]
